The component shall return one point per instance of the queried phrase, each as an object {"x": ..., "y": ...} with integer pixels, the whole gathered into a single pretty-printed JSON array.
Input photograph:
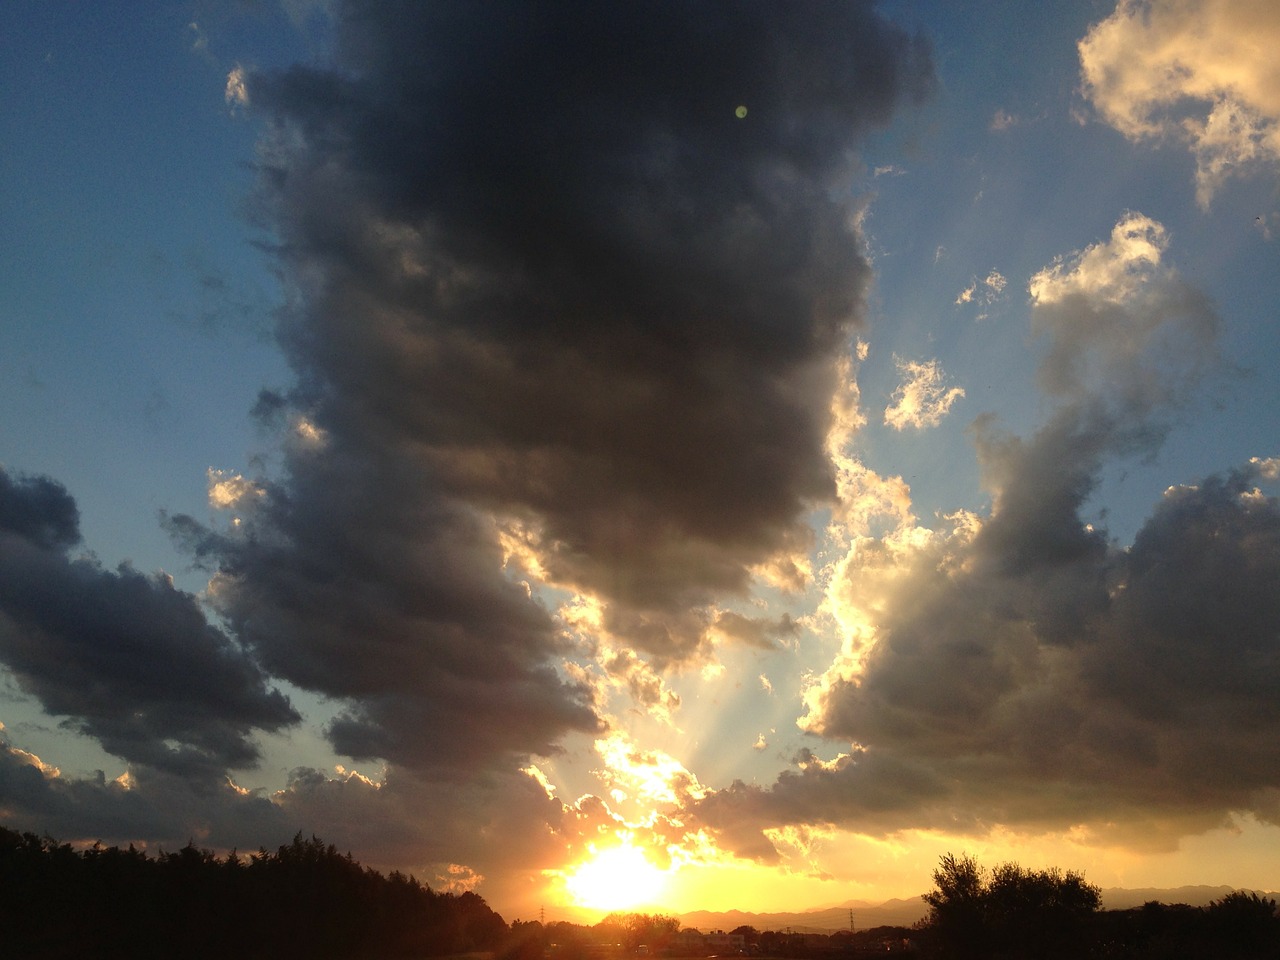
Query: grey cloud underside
[
  {"x": 541, "y": 271},
  {"x": 125, "y": 658},
  {"x": 154, "y": 808},
  {"x": 365, "y": 585},
  {"x": 757, "y": 631},
  {"x": 502, "y": 825}
]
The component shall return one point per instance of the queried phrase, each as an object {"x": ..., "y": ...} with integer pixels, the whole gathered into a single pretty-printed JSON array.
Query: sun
[{"x": 615, "y": 878}]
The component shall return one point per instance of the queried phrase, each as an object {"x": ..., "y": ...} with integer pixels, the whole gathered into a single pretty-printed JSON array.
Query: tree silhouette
[
  {"x": 1009, "y": 912},
  {"x": 1243, "y": 925},
  {"x": 303, "y": 900},
  {"x": 956, "y": 907},
  {"x": 654, "y": 930}
]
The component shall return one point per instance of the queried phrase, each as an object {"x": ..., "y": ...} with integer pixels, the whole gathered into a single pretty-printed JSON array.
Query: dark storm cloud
[
  {"x": 1138, "y": 688},
  {"x": 542, "y": 272},
  {"x": 126, "y": 658},
  {"x": 39, "y": 510},
  {"x": 1026, "y": 669},
  {"x": 359, "y": 581}
]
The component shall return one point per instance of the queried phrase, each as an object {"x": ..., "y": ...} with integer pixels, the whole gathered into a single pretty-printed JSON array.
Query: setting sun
[{"x": 617, "y": 878}]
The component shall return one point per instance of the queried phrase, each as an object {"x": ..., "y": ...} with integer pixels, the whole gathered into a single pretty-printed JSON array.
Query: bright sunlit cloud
[
  {"x": 922, "y": 399},
  {"x": 1195, "y": 72},
  {"x": 236, "y": 92}
]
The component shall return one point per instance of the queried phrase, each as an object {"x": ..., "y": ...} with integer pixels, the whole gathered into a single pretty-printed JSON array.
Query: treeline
[
  {"x": 307, "y": 900},
  {"x": 303, "y": 900},
  {"x": 621, "y": 935},
  {"x": 1010, "y": 913},
  {"x": 617, "y": 933}
]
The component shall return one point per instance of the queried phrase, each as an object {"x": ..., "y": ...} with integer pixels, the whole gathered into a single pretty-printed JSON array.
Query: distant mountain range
[
  {"x": 903, "y": 913},
  {"x": 898, "y": 913}
]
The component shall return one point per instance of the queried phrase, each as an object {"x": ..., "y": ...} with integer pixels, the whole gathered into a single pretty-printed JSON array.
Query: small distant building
[
  {"x": 689, "y": 943},
  {"x": 720, "y": 942},
  {"x": 693, "y": 943}
]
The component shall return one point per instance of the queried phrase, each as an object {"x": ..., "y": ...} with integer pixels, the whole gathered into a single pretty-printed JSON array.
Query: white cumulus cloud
[{"x": 1202, "y": 72}]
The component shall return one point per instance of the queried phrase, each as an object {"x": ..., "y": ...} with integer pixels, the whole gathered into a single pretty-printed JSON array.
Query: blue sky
[
  {"x": 539, "y": 448},
  {"x": 137, "y": 305}
]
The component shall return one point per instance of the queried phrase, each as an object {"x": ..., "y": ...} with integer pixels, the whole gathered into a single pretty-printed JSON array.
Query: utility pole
[
  {"x": 851, "y": 919},
  {"x": 542, "y": 915}
]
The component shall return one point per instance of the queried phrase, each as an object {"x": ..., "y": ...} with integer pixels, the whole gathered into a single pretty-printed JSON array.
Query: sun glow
[{"x": 615, "y": 878}]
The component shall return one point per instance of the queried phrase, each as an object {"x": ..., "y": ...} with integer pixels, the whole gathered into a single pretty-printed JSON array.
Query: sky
[{"x": 663, "y": 456}]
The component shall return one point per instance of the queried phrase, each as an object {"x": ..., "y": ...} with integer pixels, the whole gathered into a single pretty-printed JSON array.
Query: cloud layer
[
  {"x": 1020, "y": 668},
  {"x": 125, "y": 658}
]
